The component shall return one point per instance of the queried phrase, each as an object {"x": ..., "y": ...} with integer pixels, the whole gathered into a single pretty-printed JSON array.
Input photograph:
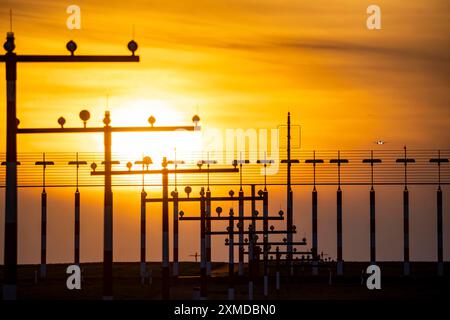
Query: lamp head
[
  {"x": 9, "y": 45},
  {"x": 151, "y": 120},
  {"x": 61, "y": 122},
  {"x": 71, "y": 46},
  {"x": 132, "y": 46},
  {"x": 84, "y": 116}
]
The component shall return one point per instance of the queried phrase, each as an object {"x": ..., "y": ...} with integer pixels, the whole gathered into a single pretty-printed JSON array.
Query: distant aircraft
[
  {"x": 194, "y": 255},
  {"x": 380, "y": 142}
]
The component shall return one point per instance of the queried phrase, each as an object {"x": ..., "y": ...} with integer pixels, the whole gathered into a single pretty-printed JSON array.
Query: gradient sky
[{"x": 239, "y": 64}]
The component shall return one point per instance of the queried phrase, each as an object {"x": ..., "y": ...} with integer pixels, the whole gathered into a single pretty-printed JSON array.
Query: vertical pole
[
  {"x": 43, "y": 269},
  {"x": 251, "y": 247},
  {"x": 175, "y": 270},
  {"x": 406, "y": 264},
  {"x": 108, "y": 216},
  {"x": 439, "y": 233},
  {"x": 231, "y": 257},
  {"x": 372, "y": 227},
  {"x": 165, "y": 233},
  {"x": 277, "y": 276},
  {"x": 266, "y": 241},
  {"x": 289, "y": 215},
  {"x": 241, "y": 233},
  {"x": 203, "y": 275},
  {"x": 77, "y": 218},
  {"x": 77, "y": 227},
  {"x": 340, "y": 264},
  {"x": 10, "y": 252},
  {"x": 143, "y": 236},
  {"x": 208, "y": 228},
  {"x": 315, "y": 270}
]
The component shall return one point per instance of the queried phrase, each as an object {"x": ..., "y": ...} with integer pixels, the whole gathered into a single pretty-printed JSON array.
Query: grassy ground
[{"x": 422, "y": 284}]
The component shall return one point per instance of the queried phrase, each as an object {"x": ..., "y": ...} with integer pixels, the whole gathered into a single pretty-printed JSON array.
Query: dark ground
[{"x": 422, "y": 284}]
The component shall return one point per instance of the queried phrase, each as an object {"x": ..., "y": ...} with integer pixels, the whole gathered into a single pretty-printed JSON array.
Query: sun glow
[{"x": 155, "y": 144}]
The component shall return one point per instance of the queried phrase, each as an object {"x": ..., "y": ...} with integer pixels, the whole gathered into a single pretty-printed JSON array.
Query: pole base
[
  {"x": 406, "y": 269},
  {"x": 315, "y": 269},
  {"x": 196, "y": 294},
  {"x": 43, "y": 271},
  {"x": 250, "y": 290},
  {"x": 340, "y": 268},
  {"x": 9, "y": 292},
  {"x": 266, "y": 286},
  {"x": 175, "y": 270},
  {"x": 277, "y": 280},
  {"x": 230, "y": 293},
  {"x": 143, "y": 271},
  {"x": 241, "y": 269},
  {"x": 440, "y": 269}
]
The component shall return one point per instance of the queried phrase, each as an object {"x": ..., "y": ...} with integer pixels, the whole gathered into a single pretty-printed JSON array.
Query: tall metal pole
[
  {"x": 440, "y": 242},
  {"x": 241, "y": 231},
  {"x": 10, "y": 252},
  {"x": 406, "y": 263},
  {"x": 43, "y": 269},
  {"x": 439, "y": 206},
  {"x": 231, "y": 257},
  {"x": 208, "y": 227},
  {"x": 77, "y": 228},
  {"x": 108, "y": 215},
  {"x": 203, "y": 274},
  {"x": 372, "y": 227},
  {"x": 314, "y": 231},
  {"x": 76, "y": 246},
  {"x": 165, "y": 232},
  {"x": 251, "y": 248},
  {"x": 289, "y": 197},
  {"x": 143, "y": 270},
  {"x": 372, "y": 161},
  {"x": 340, "y": 262},
  {"x": 266, "y": 241},
  {"x": 314, "y": 248},
  {"x": 175, "y": 270}
]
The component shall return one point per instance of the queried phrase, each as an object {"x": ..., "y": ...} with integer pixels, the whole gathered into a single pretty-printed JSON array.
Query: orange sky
[
  {"x": 239, "y": 64},
  {"x": 240, "y": 60}
]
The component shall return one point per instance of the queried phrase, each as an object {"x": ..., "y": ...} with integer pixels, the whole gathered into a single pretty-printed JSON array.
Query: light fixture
[
  {"x": 71, "y": 46},
  {"x": 61, "y": 121},
  {"x": 107, "y": 119},
  {"x": 132, "y": 46},
  {"x": 196, "y": 120},
  {"x": 188, "y": 190},
  {"x": 129, "y": 165},
  {"x": 151, "y": 120},
  {"x": 84, "y": 116}
]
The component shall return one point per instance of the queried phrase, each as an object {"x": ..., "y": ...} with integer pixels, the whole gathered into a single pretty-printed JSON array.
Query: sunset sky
[{"x": 238, "y": 64}]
